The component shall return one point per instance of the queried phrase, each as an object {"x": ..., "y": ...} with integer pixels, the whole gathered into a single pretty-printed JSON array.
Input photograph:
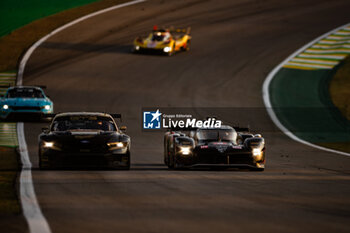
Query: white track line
[
  {"x": 31, "y": 210},
  {"x": 267, "y": 102}
]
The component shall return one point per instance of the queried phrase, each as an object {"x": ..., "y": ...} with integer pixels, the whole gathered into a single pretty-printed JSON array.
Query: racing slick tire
[
  {"x": 170, "y": 162},
  {"x": 176, "y": 165},
  {"x": 41, "y": 165},
  {"x": 127, "y": 167},
  {"x": 257, "y": 169}
]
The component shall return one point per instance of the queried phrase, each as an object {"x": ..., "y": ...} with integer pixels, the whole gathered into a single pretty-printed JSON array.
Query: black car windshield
[
  {"x": 67, "y": 123},
  {"x": 216, "y": 135},
  {"x": 25, "y": 93}
]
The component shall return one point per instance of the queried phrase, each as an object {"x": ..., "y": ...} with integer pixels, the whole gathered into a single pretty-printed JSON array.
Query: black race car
[
  {"x": 214, "y": 147},
  {"x": 84, "y": 139}
]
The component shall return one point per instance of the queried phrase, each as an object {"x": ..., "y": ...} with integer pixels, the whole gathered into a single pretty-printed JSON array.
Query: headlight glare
[
  {"x": 5, "y": 106},
  {"x": 185, "y": 150},
  {"x": 48, "y": 144},
  {"x": 167, "y": 49},
  {"x": 257, "y": 152},
  {"x": 116, "y": 145},
  {"x": 47, "y": 107}
]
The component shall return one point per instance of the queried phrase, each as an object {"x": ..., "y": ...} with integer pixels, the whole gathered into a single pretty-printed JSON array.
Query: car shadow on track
[
  {"x": 88, "y": 48},
  {"x": 145, "y": 167},
  {"x": 99, "y": 48}
]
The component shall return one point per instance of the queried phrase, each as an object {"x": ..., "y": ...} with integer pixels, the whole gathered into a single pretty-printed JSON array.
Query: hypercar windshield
[
  {"x": 160, "y": 37},
  {"x": 25, "y": 93},
  {"x": 229, "y": 135},
  {"x": 68, "y": 123}
]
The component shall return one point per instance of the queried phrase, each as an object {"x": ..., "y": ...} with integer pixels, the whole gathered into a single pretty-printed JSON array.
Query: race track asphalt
[{"x": 89, "y": 67}]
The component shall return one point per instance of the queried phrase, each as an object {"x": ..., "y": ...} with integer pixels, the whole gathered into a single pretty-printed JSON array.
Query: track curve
[{"x": 235, "y": 44}]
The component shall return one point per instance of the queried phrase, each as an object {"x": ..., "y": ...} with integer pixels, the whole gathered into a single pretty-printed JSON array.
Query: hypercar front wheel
[
  {"x": 172, "y": 52},
  {"x": 257, "y": 169},
  {"x": 170, "y": 161}
]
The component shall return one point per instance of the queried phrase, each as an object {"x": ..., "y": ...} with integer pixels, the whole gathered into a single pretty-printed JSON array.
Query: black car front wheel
[
  {"x": 127, "y": 166},
  {"x": 43, "y": 165}
]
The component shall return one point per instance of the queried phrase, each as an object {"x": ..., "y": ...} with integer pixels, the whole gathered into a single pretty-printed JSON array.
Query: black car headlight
[
  {"x": 51, "y": 145},
  {"x": 48, "y": 144},
  {"x": 116, "y": 145}
]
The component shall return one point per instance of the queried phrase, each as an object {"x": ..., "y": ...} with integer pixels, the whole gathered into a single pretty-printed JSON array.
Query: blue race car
[{"x": 25, "y": 101}]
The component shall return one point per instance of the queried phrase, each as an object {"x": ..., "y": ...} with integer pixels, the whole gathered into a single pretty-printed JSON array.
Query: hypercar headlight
[
  {"x": 257, "y": 152},
  {"x": 167, "y": 49},
  {"x": 47, "y": 107},
  {"x": 48, "y": 144},
  {"x": 116, "y": 145},
  {"x": 185, "y": 150},
  {"x": 5, "y": 106}
]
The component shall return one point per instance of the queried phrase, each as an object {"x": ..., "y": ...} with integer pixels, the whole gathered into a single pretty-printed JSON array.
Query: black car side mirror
[
  {"x": 45, "y": 130},
  {"x": 123, "y": 128}
]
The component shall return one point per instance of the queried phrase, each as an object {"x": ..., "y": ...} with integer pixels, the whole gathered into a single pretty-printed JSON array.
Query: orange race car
[{"x": 165, "y": 41}]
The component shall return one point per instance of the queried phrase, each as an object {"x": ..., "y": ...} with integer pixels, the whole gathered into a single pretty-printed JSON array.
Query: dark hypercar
[
  {"x": 84, "y": 139},
  {"x": 214, "y": 147}
]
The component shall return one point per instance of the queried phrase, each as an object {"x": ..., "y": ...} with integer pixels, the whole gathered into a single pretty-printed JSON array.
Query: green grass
[
  {"x": 9, "y": 166},
  {"x": 340, "y": 146},
  {"x": 339, "y": 88},
  {"x": 17, "y": 13},
  {"x": 22, "y": 38},
  {"x": 14, "y": 41},
  {"x": 11, "y": 218}
]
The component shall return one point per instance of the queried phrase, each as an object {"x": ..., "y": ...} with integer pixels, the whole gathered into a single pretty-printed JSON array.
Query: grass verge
[
  {"x": 13, "y": 46},
  {"x": 17, "y": 13},
  {"x": 341, "y": 146},
  {"x": 11, "y": 219},
  {"x": 339, "y": 88},
  {"x": 9, "y": 166}
]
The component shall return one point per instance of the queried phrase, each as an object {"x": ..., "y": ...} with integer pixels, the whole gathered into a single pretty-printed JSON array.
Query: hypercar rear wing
[
  {"x": 182, "y": 129},
  {"x": 181, "y": 30},
  {"x": 241, "y": 129}
]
